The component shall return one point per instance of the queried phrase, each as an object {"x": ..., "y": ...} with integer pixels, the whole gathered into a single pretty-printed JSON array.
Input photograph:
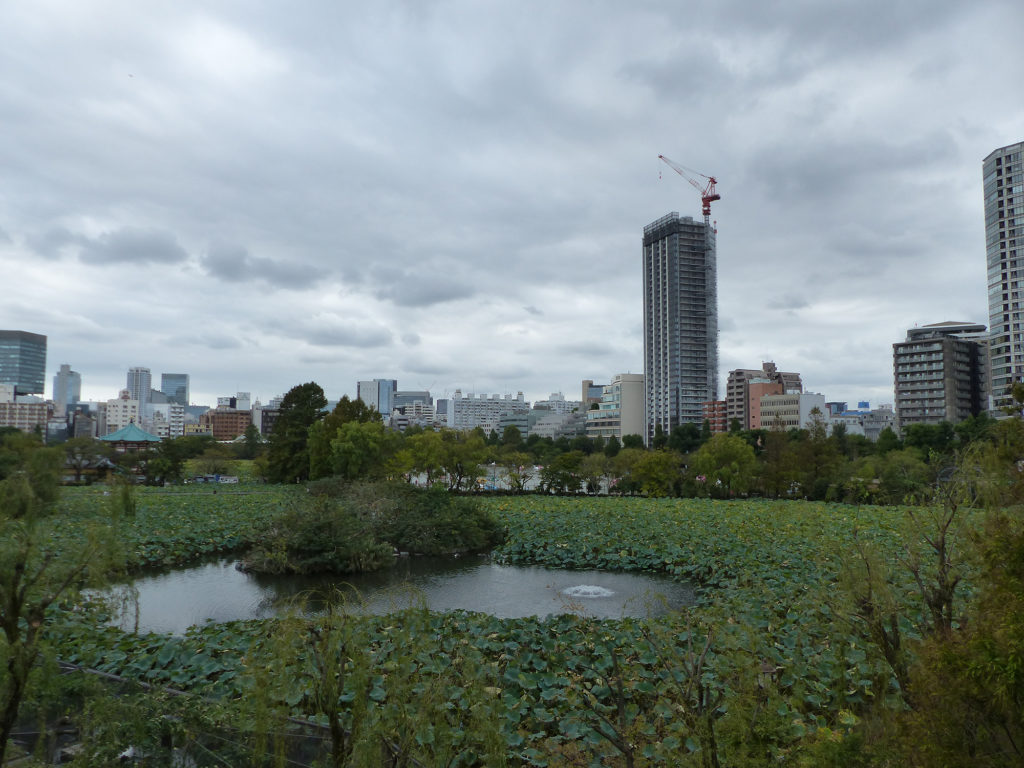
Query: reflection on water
[{"x": 172, "y": 601}]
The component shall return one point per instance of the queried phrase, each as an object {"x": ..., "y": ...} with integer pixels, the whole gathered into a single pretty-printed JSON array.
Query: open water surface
[{"x": 173, "y": 600}]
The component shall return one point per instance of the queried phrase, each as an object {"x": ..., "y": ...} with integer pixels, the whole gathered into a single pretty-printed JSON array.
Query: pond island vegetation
[{"x": 857, "y": 606}]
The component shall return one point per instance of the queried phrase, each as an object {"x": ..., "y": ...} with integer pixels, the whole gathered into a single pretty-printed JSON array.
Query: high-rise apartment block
[
  {"x": 175, "y": 386},
  {"x": 680, "y": 321},
  {"x": 23, "y": 361},
  {"x": 1003, "y": 178},
  {"x": 940, "y": 373},
  {"x": 746, "y": 386}
]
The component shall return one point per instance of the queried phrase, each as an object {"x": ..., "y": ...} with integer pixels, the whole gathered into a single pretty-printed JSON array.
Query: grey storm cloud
[
  {"x": 133, "y": 245},
  {"x": 411, "y": 339},
  {"x": 414, "y": 290},
  {"x": 51, "y": 243},
  {"x": 220, "y": 341},
  {"x": 235, "y": 263},
  {"x": 533, "y": 310},
  {"x": 334, "y": 331}
]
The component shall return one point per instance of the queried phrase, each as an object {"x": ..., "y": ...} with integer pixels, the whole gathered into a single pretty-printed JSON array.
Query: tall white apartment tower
[
  {"x": 1003, "y": 174},
  {"x": 680, "y": 322}
]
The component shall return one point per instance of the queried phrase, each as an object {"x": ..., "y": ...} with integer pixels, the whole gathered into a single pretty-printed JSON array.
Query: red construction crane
[{"x": 707, "y": 191}]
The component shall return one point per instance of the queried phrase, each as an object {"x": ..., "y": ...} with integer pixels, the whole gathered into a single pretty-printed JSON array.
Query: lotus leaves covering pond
[{"x": 769, "y": 572}]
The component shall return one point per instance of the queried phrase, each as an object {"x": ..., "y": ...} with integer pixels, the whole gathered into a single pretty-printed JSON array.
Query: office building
[
  {"x": 793, "y": 410},
  {"x": 1003, "y": 179},
  {"x": 226, "y": 423},
  {"x": 940, "y": 374},
  {"x": 138, "y": 383},
  {"x": 67, "y": 389},
  {"x": 379, "y": 394},
  {"x": 680, "y": 322},
  {"x": 175, "y": 386},
  {"x": 23, "y": 361}
]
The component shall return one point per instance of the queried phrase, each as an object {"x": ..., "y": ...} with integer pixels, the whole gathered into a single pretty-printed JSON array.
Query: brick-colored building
[
  {"x": 226, "y": 423},
  {"x": 715, "y": 415}
]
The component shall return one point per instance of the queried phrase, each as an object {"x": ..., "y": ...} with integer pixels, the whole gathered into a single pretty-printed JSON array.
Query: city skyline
[{"x": 454, "y": 196}]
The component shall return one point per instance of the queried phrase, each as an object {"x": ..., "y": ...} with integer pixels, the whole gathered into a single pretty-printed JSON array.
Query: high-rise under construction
[{"x": 680, "y": 321}]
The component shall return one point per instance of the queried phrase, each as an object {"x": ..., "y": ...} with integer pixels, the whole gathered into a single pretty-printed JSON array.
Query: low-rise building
[
  {"x": 121, "y": 411},
  {"x": 794, "y": 410},
  {"x": 226, "y": 423},
  {"x": 715, "y": 415},
  {"x": 26, "y": 416},
  {"x": 738, "y": 395},
  {"x": 620, "y": 411},
  {"x": 469, "y": 412}
]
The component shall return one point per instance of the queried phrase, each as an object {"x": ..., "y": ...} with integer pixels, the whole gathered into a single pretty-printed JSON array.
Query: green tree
[
  {"x": 421, "y": 453},
  {"x": 818, "y": 458},
  {"x": 325, "y": 430},
  {"x": 887, "y": 441},
  {"x": 288, "y": 454},
  {"x": 930, "y": 438},
  {"x": 685, "y": 438},
  {"x": 903, "y": 477},
  {"x": 633, "y": 441},
  {"x": 362, "y": 450},
  {"x": 968, "y": 684},
  {"x": 612, "y": 447},
  {"x": 724, "y": 465},
  {"x": 252, "y": 443},
  {"x": 519, "y": 470},
  {"x": 512, "y": 437},
  {"x": 659, "y": 473},
  {"x": 622, "y": 470},
  {"x": 82, "y": 453},
  {"x": 778, "y": 464},
  {"x": 461, "y": 457},
  {"x": 563, "y": 474},
  {"x": 32, "y": 576},
  {"x": 594, "y": 471}
]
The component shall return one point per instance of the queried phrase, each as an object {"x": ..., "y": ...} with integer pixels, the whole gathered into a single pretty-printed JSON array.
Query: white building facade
[{"x": 484, "y": 411}]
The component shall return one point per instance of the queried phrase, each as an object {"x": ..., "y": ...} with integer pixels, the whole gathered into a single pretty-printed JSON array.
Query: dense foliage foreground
[{"x": 800, "y": 650}]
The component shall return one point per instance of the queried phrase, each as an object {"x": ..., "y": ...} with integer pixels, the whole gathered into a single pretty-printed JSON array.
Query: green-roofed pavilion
[{"x": 130, "y": 437}]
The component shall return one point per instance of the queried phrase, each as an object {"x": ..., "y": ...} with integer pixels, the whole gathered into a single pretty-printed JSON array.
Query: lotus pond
[
  {"x": 790, "y": 666},
  {"x": 173, "y": 600}
]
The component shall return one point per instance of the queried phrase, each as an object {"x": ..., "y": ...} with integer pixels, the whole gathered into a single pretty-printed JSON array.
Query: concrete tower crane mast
[{"x": 707, "y": 191}]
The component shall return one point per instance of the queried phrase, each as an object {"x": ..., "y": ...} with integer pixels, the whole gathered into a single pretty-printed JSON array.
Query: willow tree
[{"x": 34, "y": 573}]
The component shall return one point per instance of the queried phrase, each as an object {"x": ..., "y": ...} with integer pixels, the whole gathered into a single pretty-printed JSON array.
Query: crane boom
[{"x": 707, "y": 191}]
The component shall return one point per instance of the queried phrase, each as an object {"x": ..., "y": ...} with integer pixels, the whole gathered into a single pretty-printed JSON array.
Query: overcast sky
[{"x": 452, "y": 194}]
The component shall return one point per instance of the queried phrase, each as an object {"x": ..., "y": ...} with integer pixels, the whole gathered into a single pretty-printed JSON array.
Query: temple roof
[{"x": 130, "y": 434}]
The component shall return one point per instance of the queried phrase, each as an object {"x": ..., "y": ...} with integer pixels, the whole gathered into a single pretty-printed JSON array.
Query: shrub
[
  {"x": 321, "y": 536},
  {"x": 350, "y": 528}
]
